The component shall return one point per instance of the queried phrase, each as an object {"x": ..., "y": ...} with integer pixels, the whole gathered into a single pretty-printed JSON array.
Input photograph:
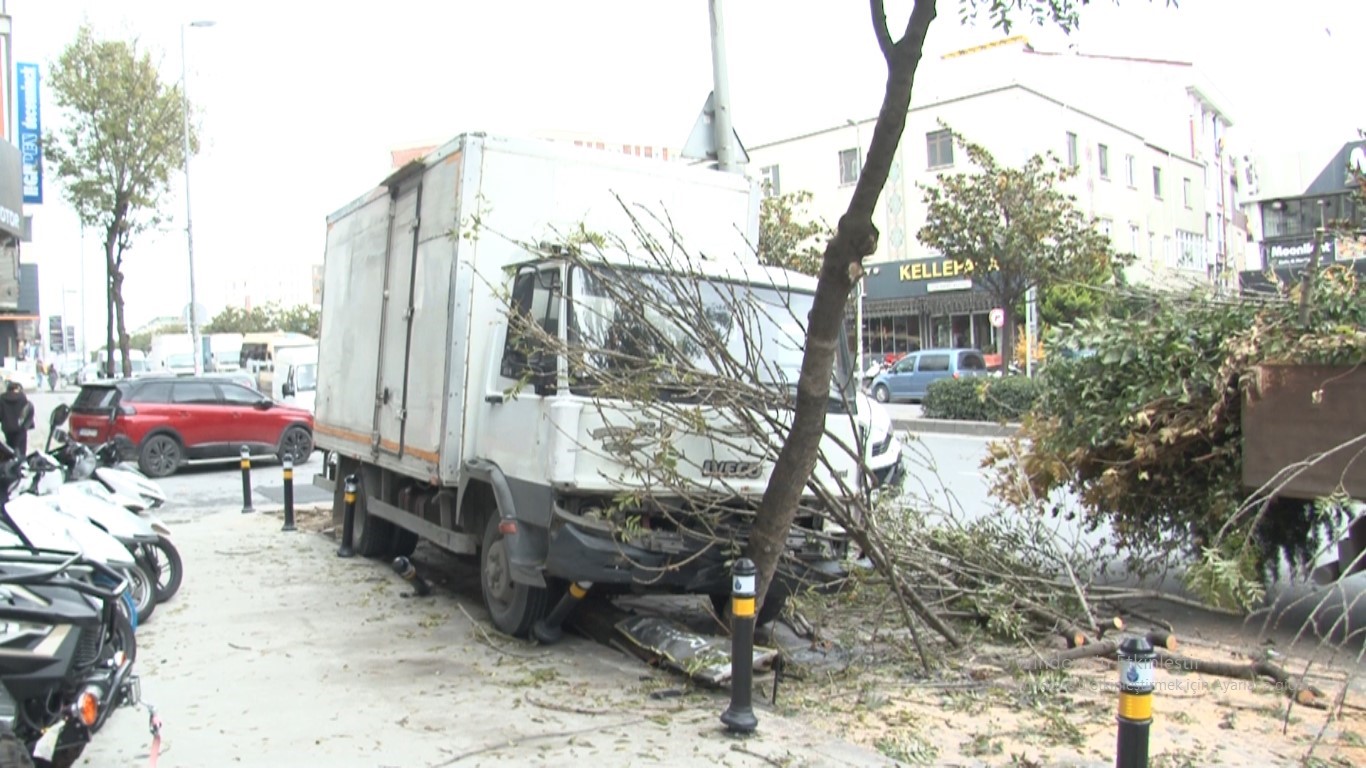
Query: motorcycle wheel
[
  {"x": 121, "y": 637},
  {"x": 12, "y": 751},
  {"x": 142, "y": 587},
  {"x": 163, "y": 563}
]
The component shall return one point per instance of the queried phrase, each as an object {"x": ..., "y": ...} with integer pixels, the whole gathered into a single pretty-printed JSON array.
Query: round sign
[{"x": 997, "y": 317}]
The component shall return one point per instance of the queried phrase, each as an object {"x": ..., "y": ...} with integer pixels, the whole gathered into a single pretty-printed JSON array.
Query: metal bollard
[
  {"x": 739, "y": 716},
  {"x": 1136, "y": 659},
  {"x": 348, "y": 517},
  {"x": 246, "y": 480},
  {"x": 289, "y": 495},
  {"x": 404, "y": 567},
  {"x": 550, "y": 629}
]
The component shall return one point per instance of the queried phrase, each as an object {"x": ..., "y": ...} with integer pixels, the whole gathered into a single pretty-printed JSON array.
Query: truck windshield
[{"x": 762, "y": 328}]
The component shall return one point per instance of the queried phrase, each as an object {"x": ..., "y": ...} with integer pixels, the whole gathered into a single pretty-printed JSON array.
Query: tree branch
[{"x": 884, "y": 36}]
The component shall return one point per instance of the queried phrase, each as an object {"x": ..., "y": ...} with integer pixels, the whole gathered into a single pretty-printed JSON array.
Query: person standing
[
  {"x": 52, "y": 377},
  {"x": 16, "y": 418}
]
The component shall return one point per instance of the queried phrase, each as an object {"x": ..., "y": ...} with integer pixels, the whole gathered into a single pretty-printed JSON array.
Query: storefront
[
  {"x": 923, "y": 303},
  {"x": 17, "y": 322}
]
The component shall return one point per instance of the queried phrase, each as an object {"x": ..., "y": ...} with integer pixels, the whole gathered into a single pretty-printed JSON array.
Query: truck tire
[
  {"x": 370, "y": 536},
  {"x": 513, "y": 607}
]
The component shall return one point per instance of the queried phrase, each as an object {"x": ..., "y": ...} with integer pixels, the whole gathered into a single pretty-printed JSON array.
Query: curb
[{"x": 951, "y": 427}]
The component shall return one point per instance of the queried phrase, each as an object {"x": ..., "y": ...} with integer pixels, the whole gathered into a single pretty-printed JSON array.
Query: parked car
[
  {"x": 912, "y": 375},
  {"x": 171, "y": 420}
]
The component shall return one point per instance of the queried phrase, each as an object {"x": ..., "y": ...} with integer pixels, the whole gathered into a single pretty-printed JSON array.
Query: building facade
[
  {"x": 1167, "y": 201},
  {"x": 1299, "y": 207}
]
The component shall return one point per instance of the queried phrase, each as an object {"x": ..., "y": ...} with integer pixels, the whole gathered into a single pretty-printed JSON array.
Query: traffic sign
[{"x": 997, "y": 317}]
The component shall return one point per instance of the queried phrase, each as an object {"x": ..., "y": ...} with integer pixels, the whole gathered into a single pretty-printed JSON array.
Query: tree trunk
[
  {"x": 855, "y": 238},
  {"x": 117, "y": 294},
  {"x": 109, "y": 240}
]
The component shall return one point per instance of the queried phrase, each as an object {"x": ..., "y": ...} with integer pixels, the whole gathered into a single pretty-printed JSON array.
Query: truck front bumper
[{"x": 664, "y": 562}]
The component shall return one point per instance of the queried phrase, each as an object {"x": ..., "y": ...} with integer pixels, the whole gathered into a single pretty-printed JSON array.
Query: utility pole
[{"x": 721, "y": 122}]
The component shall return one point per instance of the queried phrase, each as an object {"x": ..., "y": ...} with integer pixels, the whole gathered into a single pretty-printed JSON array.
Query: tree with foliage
[
  {"x": 120, "y": 140},
  {"x": 300, "y": 318},
  {"x": 1147, "y": 433},
  {"x": 142, "y": 340},
  {"x": 854, "y": 240},
  {"x": 788, "y": 238},
  {"x": 1015, "y": 229}
]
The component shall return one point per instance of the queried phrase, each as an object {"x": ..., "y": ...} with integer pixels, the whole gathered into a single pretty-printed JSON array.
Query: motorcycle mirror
[
  {"x": 60, "y": 436},
  {"x": 59, "y": 416}
]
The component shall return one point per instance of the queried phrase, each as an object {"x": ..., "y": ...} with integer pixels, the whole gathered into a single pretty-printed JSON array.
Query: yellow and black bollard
[
  {"x": 348, "y": 517},
  {"x": 550, "y": 629},
  {"x": 405, "y": 568},
  {"x": 1136, "y": 658},
  {"x": 289, "y": 494},
  {"x": 739, "y": 716},
  {"x": 246, "y": 481}
]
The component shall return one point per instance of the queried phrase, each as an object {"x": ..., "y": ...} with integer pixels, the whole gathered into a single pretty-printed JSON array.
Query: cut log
[
  {"x": 1063, "y": 659},
  {"x": 1301, "y": 693}
]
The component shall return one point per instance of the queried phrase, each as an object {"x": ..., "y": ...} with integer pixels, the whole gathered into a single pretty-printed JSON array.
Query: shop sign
[{"x": 1296, "y": 253}]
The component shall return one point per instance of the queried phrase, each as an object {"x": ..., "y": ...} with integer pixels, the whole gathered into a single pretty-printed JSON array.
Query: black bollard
[
  {"x": 404, "y": 567},
  {"x": 348, "y": 517},
  {"x": 289, "y": 494},
  {"x": 550, "y": 629},
  {"x": 246, "y": 481},
  {"x": 1136, "y": 659},
  {"x": 739, "y": 716}
]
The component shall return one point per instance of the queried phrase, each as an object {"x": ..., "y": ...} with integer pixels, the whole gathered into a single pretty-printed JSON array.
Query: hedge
[{"x": 980, "y": 399}]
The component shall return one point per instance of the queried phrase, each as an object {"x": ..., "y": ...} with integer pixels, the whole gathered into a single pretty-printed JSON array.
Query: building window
[
  {"x": 1072, "y": 149},
  {"x": 1103, "y": 154},
  {"x": 1189, "y": 247},
  {"x": 1133, "y": 240},
  {"x": 1186, "y": 192},
  {"x": 849, "y": 166},
  {"x": 939, "y": 145},
  {"x": 1105, "y": 226},
  {"x": 768, "y": 178},
  {"x": 1168, "y": 255},
  {"x": 1152, "y": 247},
  {"x": 1129, "y": 173},
  {"x": 1157, "y": 182}
]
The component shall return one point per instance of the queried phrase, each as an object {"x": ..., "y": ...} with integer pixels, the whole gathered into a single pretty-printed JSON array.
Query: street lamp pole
[{"x": 193, "y": 321}]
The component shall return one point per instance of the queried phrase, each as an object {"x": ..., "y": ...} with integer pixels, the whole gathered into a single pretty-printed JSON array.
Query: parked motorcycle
[{"x": 68, "y": 650}]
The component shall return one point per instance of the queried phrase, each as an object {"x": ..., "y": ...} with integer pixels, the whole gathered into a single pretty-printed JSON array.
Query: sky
[{"x": 299, "y": 104}]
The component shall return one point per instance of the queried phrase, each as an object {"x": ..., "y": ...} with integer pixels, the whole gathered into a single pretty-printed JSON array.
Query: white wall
[{"x": 1013, "y": 123}]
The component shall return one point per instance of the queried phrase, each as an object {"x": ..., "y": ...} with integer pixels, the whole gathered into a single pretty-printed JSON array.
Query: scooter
[
  {"x": 115, "y": 483},
  {"x": 68, "y": 649}
]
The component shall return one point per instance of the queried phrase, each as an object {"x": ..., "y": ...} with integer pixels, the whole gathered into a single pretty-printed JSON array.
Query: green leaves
[
  {"x": 120, "y": 136},
  {"x": 1016, "y": 227},
  {"x": 271, "y": 317},
  {"x": 787, "y": 238}
]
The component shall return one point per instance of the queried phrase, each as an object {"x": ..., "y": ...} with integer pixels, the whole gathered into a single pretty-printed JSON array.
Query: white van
[{"x": 295, "y": 379}]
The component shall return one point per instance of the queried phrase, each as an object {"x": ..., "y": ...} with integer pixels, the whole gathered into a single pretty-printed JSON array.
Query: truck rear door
[{"x": 395, "y": 323}]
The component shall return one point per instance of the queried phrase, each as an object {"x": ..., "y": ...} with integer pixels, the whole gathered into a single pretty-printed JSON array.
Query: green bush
[{"x": 980, "y": 399}]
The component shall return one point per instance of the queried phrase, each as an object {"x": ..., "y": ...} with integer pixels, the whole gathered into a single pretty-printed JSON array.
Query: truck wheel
[
  {"x": 370, "y": 536},
  {"x": 405, "y": 542},
  {"x": 513, "y": 607}
]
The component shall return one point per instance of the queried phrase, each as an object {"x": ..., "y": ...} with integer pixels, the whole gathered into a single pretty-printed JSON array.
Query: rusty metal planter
[{"x": 1292, "y": 413}]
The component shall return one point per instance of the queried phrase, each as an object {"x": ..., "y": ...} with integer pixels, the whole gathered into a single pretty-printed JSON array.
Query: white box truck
[{"x": 416, "y": 399}]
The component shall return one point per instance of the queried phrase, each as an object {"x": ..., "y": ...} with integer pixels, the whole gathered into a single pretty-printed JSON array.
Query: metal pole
[
  {"x": 858, "y": 334},
  {"x": 739, "y": 716},
  {"x": 85, "y": 357},
  {"x": 189, "y": 225},
  {"x": 1135, "y": 718},
  {"x": 289, "y": 494},
  {"x": 350, "y": 487},
  {"x": 721, "y": 122},
  {"x": 1029, "y": 332},
  {"x": 246, "y": 480}
]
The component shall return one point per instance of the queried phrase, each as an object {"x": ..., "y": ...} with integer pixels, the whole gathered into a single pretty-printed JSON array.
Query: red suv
[{"x": 170, "y": 421}]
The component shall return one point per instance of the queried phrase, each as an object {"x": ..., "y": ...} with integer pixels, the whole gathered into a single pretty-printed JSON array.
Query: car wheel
[
  {"x": 296, "y": 444},
  {"x": 881, "y": 393},
  {"x": 159, "y": 456}
]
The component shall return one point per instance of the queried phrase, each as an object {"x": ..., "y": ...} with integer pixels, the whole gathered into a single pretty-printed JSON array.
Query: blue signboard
[{"x": 30, "y": 133}]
